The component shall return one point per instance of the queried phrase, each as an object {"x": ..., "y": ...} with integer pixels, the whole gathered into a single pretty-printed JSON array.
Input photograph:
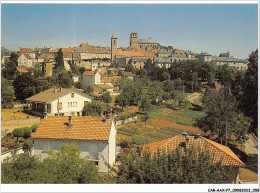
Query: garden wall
[
  {"x": 120, "y": 122},
  {"x": 9, "y": 153}
]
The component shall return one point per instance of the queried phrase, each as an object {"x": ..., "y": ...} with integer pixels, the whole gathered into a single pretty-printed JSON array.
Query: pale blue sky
[{"x": 214, "y": 28}]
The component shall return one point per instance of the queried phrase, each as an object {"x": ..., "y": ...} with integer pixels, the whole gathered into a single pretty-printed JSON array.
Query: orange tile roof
[
  {"x": 217, "y": 151},
  {"x": 48, "y": 56},
  {"x": 89, "y": 73},
  {"x": 109, "y": 79},
  {"x": 68, "y": 50},
  {"x": 26, "y": 50},
  {"x": 83, "y": 128},
  {"x": 54, "y": 50},
  {"x": 21, "y": 70},
  {"x": 127, "y": 74},
  {"x": 50, "y": 95},
  {"x": 67, "y": 55}
]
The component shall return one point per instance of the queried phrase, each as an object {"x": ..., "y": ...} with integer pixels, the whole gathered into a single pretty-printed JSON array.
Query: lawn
[{"x": 15, "y": 113}]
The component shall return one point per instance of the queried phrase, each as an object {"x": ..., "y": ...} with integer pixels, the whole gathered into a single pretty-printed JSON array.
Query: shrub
[
  {"x": 125, "y": 144},
  {"x": 27, "y": 132},
  {"x": 18, "y": 132},
  {"x": 34, "y": 127},
  {"x": 138, "y": 140}
]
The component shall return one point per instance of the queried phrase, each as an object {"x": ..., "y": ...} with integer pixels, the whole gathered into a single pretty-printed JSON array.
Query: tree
[
  {"x": 129, "y": 68},
  {"x": 36, "y": 71},
  {"x": 25, "y": 86},
  {"x": 27, "y": 146},
  {"x": 27, "y": 131},
  {"x": 145, "y": 104},
  {"x": 62, "y": 167},
  {"x": 65, "y": 80},
  {"x": 14, "y": 58},
  {"x": 18, "y": 132},
  {"x": 10, "y": 70},
  {"x": 59, "y": 61},
  {"x": 223, "y": 116},
  {"x": 145, "y": 117},
  {"x": 89, "y": 90},
  {"x": 249, "y": 99},
  {"x": 79, "y": 84},
  {"x": 226, "y": 75},
  {"x": 6, "y": 94},
  {"x": 106, "y": 97},
  {"x": 193, "y": 167},
  {"x": 93, "y": 108},
  {"x": 155, "y": 92},
  {"x": 122, "y": 100}
]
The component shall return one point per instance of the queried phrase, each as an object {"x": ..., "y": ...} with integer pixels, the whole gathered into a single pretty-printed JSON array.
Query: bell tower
[
  {"x": 113, "y": 48},
  {"x": 134, "y": 40}
]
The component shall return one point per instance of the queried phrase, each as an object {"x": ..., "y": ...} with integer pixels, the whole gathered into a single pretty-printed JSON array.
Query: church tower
[
  {"x": 113, "y": 48},
  {"x": 134, "y": 40}
]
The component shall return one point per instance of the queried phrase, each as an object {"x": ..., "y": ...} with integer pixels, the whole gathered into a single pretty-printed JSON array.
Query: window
[
  {"x": 72, "y": 95},
  {"x": 72, "y": 104},
  {"x": 60, "y": 105}
]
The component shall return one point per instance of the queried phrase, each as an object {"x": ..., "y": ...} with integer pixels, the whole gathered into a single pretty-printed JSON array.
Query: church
[{"x": 136, "y": 42}]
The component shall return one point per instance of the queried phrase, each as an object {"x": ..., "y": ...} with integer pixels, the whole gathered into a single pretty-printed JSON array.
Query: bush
[
  {"x": 125, "y": 144},
  {"x": 27, "y": 132},
  {"x": 18, "y": 132},
  {"x": 126, "y": 116},
  {"x": 34, "y": 127}
]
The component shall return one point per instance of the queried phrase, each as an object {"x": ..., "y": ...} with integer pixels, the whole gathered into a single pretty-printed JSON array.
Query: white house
[
  {"x": 61, "y": 101},
  {"x": 26, "y": 60},
  {"x": 91, "y": 78},
  {"x": 95, "y": 137}
]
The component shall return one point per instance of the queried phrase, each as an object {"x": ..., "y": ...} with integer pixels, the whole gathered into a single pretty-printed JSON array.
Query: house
[
  {"x": 100, "y": 88},
  {"x": 25, "y": 60},
  {"x": 110, "y": 79},
  {"x": 218, "y": 152},
  {"x": 124, "y": 74},
  {"x": 91, "y": 77},
  {"x": 62, "y": 101},
  {"x": 224, "y": 58},
  {"x": 95, "y": 137},
  {"x": 75, "y": 77}
]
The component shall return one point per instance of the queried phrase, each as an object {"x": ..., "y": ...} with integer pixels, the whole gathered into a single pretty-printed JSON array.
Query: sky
[{"x": 212, "y": 28}]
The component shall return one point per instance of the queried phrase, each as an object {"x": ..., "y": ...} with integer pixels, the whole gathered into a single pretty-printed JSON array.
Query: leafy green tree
[
  {"x": 155, "y": 92},
  {"x": 36, "y": 71},
  {"x": 223, "y": 116},
  {"x": 93, "y": 108},
  {"x": 249, "y": 99},
  {"x": 89, "y": 90},
  {"x": 122, "y": 100},
  {"x": 79, "y": 84},
  {"x": 27, "y": 146},
  {"x": 65, "y": 80},
  {"x": 10, "y": 70},
  {"x": 145, "y": 117},
  {"x": 62, "y": 167},
  {"x": 145, "y": 104},
  {"x": 27, "y": 131},
  {"x": 106, "y": 97},
  {"x": 14, "y": 58},
  {"x": 59, "y": 61},
  {"x": 18, "y": 132},
  {"x": 226, "y": 75},
  {"x": 207, "y": 72},
  {"x": 192, "y": 167},
  {"x": 6, "y": 94},
  {"x": 25, "y": 86},
  {"x": 82, "y": 70},
  {"x": 129, "y": 68}
]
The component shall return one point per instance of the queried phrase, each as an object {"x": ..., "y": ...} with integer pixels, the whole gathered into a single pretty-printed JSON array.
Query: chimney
[
  {"x": 197, "y": 136},
  {"x": 70, "y": 121},
  {"x": 60, "y": 89},
  {"x": 107, "y": 118},
  {"x": 45, "y": 115},
  {"x": 55, "y": 89}
]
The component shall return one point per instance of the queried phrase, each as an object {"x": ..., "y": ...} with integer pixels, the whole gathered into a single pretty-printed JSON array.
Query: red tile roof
[
  {"x": 132, "y": 53},
  {"x": 83, "y": 128},
  {"x": 50, "y": 95},
  {"x": 26, "y": 50},
  {"x": 111, "y": 79},
  {"x": 21, "y": 70},
  {"x": 217, "y": 151},
  {"x": 89, "y": 73}
]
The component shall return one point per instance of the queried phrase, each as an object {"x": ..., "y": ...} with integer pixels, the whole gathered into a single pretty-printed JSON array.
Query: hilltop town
[{"x": 129, "y": 115}]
